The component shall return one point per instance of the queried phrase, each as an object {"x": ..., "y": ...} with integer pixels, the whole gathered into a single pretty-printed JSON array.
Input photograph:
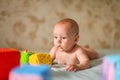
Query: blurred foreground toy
[
  {"x": 111, "y": 67},
  {"x": 9, "y": 58},
  {"x": 29, "y": 72}
]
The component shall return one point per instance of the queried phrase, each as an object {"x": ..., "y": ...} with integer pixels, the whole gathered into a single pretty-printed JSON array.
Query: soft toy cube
[
  {"x": 9, "y": 58},
  {"x": 29, "y": 72},
  {"x": 111, "y": 67},
  {"x": 25, "y": 57},
  {"x": 40, "y": 58}
]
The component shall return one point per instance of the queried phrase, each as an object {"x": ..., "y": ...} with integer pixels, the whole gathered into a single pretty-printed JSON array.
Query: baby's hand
[{"x": 72, "y": 68}]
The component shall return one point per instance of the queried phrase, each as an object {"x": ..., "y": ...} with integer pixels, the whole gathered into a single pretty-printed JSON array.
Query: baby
[{"x": 66, "y": 50}]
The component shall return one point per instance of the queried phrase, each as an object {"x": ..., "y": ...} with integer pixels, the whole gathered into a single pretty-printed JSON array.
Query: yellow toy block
[{"x": 40, "y": 58}]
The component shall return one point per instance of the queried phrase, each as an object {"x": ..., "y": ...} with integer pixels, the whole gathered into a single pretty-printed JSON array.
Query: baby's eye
[
  {"x": 55, "y": 37},
  {"x": 63, "y": 37}
]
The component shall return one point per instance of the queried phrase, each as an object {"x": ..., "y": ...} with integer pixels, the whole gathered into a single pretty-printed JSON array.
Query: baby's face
[{"x": 63, "y": 39}]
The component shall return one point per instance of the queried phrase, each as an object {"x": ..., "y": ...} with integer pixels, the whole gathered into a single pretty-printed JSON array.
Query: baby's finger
[
  {"x": 74, "y": 69},
  {"x": 69, "y": 68}
]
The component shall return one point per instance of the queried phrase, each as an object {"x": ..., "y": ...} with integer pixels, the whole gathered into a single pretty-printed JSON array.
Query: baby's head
[
  {"x": 66, "y": 33},
  {"x": 69, "y": 25}
]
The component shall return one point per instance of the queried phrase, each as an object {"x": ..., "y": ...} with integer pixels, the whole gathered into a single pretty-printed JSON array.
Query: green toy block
[{"x": 25, "y": 57}]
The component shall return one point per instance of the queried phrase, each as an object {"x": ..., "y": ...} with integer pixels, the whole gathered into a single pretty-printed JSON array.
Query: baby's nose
[{"x": 59, "y": 40}]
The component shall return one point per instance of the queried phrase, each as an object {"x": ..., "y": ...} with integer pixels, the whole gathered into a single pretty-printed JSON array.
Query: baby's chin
[{"x": 60, "y": 48}]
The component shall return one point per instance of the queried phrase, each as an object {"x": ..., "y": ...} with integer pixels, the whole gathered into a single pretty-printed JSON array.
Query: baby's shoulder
[{"x": 79, "y": 50}]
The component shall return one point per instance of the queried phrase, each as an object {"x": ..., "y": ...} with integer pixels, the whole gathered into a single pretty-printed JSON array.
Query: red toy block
[{"x": 9, "y": 58}]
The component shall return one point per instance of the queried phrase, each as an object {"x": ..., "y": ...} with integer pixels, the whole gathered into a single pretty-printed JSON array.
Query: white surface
[{"x": 93, "y": 73}]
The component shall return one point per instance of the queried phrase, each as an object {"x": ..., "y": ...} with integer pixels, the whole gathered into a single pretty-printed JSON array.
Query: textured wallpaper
[{"x": 28, "y": 24}]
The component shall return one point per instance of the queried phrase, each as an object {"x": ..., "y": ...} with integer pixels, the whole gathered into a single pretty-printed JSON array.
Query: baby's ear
[{"x": 77, "y": 38}]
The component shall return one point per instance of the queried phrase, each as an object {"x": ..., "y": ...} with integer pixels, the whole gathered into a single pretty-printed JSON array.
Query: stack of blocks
[
  {"x": 34, "y": 58},
  {"x": 111, "y": 67},
  {"x": 34, "y": 66}
]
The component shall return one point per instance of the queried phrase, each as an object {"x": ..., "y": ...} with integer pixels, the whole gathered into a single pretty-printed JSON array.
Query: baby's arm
[
  {"x": 84, "y": 62},
  {"x": 53, "y": 53}
]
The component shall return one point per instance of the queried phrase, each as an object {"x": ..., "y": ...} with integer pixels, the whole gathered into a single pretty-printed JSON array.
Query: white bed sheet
[{"x": 94, "y": 73}]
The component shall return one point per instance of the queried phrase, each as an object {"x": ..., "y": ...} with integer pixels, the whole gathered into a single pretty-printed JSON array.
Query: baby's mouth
[{"x": 59, "y": 47}]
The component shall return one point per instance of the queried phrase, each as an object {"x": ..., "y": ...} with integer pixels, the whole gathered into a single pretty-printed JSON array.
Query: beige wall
[{"x": 28, "y": 24}]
